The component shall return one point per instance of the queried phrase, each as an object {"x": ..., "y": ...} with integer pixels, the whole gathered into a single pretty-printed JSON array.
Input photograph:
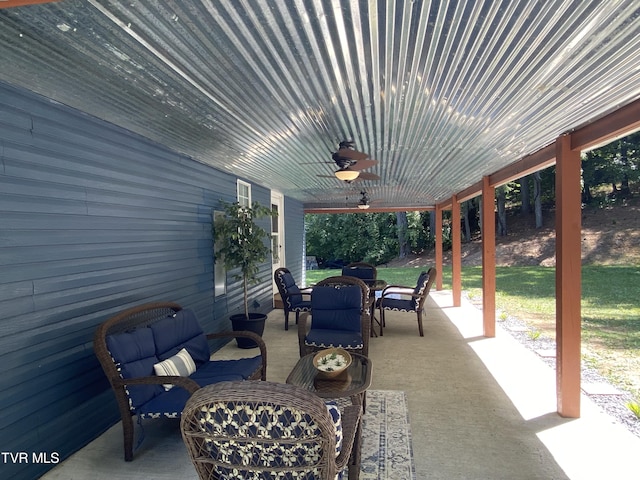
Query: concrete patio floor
[{"x": 479, "y": 408}]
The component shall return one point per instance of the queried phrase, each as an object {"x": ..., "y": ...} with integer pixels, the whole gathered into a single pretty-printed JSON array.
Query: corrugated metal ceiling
[{"x": 439, "y": 92}]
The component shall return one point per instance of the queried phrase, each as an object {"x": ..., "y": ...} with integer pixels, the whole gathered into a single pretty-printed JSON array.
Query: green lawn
[{"x": 610, "y": 308}]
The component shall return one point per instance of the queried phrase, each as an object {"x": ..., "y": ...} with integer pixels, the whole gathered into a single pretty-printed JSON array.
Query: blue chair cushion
[
  {"x": 292, "y": 295},
  {"x": 363, "y": 273},
  {"x": 334, "y": 338},
  {"x": 242, "y": 368},
  {"x": 298, "y": 304},
  {"x": 399, "y": 305},
  {"x": 421, "y": 283},
  {"x": 134, "y": 354},
  {"x": 336, "y": 308},
  {"x": 171, "y": 403},
  {"x": 181, "y": 330}
]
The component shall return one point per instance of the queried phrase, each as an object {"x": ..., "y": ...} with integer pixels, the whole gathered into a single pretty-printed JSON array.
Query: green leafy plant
[
  {"x": 242, "y": 243},
  {"x": 534, "y": 334},
  {"x": 634, "y": 407}
]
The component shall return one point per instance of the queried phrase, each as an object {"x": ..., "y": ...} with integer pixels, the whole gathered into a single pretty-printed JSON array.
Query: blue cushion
[
  {"x": 287, "y": 280},
  {"x": 421, "y": 283},
  {"x": 171, "y": 403},
  {"x": 363, "y": 273},
  {"x": 396, "y": 304},
  {"x": 242, "y": 368},
  {"x": 334, "y": 338},
  {"x": 134, "y": 355},
  {"x": 291, "y": 291},
  {"x": 182, "y": 330},
  {"x": 336, "y": 308}
]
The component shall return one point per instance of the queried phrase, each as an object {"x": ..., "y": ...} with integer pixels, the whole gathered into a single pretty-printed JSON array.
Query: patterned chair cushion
[
  {"x": 334, "y": 411},
  {"x": 243, "y": 429}
]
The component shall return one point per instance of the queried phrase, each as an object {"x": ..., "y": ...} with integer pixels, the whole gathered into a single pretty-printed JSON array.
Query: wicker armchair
[
  {"x": 340, "y": 317},
  {"x": 407, "y": 299},
  {"x": 294, "y": 299},
  {"x": 268, "y": 430}
]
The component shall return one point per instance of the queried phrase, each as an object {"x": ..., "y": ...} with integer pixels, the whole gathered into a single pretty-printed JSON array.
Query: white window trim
[{"x": 244, "y": 184}]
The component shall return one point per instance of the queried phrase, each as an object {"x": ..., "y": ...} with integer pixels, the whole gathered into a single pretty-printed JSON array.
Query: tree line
[{"x": 609, "y": 174}]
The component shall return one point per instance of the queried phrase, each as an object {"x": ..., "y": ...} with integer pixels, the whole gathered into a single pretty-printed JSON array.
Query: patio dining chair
[
  {"x": 340, "y": 308},
  {"x": 407, "y": 299},
  {"x": 362, "y": 270},
  {"x": 269, "y": 430},
  {"x": 294, "y": 298}
]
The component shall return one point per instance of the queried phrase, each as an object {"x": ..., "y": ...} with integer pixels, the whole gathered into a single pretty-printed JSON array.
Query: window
[
  {"x": 244, "y": 193},
  {"x": 275, "y": 236}
]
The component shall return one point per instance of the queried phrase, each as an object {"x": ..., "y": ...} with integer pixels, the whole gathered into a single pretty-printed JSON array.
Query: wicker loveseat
[{"x": 142, "y": 352}]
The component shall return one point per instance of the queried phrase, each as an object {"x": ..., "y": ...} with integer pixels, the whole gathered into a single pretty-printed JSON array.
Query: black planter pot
[{"x": 255, "y": 324}]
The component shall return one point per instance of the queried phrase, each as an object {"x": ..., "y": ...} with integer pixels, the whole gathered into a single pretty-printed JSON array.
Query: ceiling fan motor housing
[{"x": 343, "y": 162}]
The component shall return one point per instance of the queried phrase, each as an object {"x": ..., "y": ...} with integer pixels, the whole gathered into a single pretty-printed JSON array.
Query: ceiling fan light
[
  {"x": 347, "y": 175},
  {"x": 363, "y": 206}
]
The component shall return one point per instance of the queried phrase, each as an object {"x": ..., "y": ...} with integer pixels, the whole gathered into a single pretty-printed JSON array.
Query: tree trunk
[
  {"x": 537, "y": 198},
  {"x": 432, "y": 225},
  {"x": 586, "y": 193},
  {"x": 403, "y": 240},
  {"x": 625, "y": 191},
  {"x": 467, "y": 228},
  {"x": 525, "y": 207},
  {"x": 502, "y": 212}
]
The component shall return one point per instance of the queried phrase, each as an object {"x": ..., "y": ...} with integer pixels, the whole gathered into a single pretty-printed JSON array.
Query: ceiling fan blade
[
  {"x": 368, "y": 176},
  {"x": 363, "y": 164},
  {"x": 351, "y": 154}
]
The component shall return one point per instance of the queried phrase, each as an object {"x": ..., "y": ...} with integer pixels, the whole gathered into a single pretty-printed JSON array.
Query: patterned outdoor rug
[{"x": 387, "y": 452}]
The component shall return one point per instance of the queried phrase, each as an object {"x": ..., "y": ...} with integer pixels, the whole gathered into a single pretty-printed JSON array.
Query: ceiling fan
[
  {"x": 350, "y": 163},
  {"x": 363, "y": 204}
]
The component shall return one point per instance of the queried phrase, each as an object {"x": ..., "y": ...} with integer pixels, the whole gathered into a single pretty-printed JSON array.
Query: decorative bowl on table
[{"x": 332, "y": 362}]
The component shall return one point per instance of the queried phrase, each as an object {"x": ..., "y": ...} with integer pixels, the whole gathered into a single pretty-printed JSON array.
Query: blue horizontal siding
[{"x": 95, "y": 219}]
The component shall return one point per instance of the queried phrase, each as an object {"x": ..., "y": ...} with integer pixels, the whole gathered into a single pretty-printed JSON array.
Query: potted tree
[{"x": 242, "y": 244}]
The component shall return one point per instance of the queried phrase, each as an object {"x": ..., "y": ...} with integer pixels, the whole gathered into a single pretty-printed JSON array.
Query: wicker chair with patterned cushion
[
  {"x": 339, "y": 317},
  {"x": 407, "y": 299},
  {"x": 266, "y": 430},
  {"x": 294, "y": 298}
]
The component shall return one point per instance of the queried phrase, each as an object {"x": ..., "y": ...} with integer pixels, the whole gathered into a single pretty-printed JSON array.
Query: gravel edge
[{"x": 613, "y": 405}]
